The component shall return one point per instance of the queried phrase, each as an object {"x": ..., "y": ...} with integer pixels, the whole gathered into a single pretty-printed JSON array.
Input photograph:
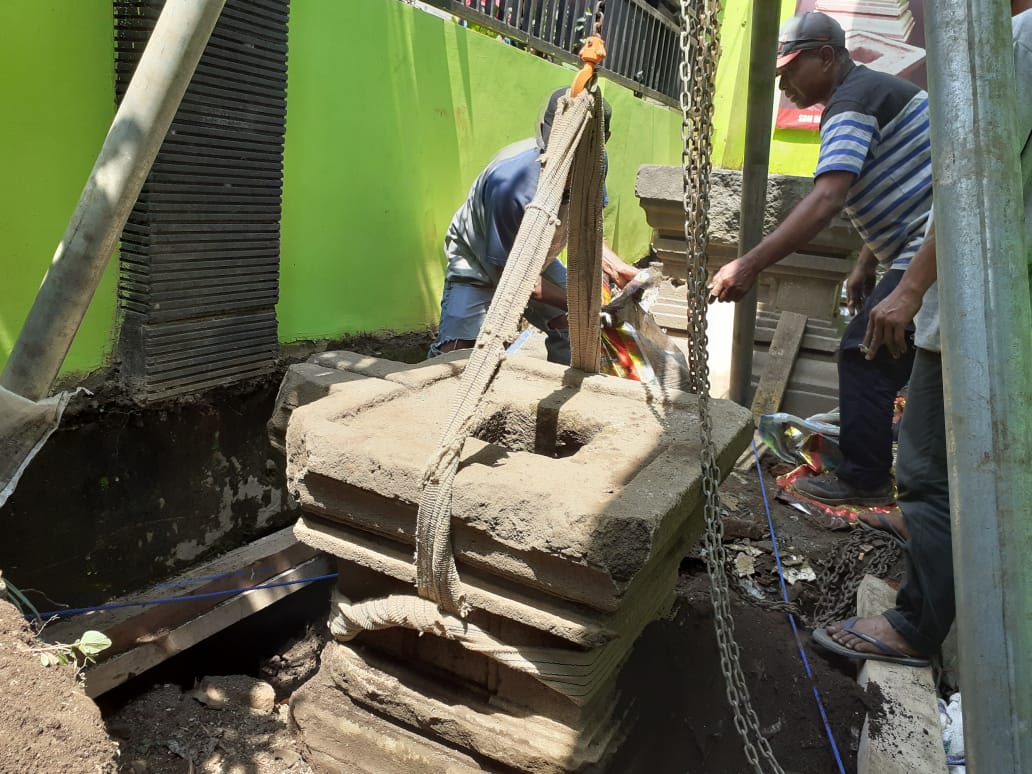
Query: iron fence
[{"x": 642, "y": 43}]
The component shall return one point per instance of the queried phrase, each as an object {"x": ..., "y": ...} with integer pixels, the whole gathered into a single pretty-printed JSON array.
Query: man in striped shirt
[{"x": 874, "y": 164}]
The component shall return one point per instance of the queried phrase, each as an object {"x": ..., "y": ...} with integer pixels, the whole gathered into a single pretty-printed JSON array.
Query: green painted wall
[
  {"x": 58, "y": 104},
  {"x": 792, "y": 151},
  {"x": 392, "y": 114}
]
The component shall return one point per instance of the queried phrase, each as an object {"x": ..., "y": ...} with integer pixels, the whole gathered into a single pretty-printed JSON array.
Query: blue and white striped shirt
[{"x": 876, "y": 126}]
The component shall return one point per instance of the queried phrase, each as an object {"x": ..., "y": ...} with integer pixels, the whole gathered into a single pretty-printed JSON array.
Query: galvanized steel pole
[
  {"x": 125, "y": 159},
  {"x": 986, "y": 326},
  {"x": 763, "y": 48}
]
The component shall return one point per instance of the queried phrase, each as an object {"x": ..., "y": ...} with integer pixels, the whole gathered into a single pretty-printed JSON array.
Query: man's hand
[
  {"x": 733, "y": 281},
  {"x": 859, "y": 285},
  {"x": 615, "y": 268},
  {"x": 860, "y": 282},
  {"x": 888, "y": 323}
]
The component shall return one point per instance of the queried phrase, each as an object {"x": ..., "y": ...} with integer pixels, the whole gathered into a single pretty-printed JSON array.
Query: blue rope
[
  {"x": 188, "y": 598},
  {"x": 791, "y": 618}
]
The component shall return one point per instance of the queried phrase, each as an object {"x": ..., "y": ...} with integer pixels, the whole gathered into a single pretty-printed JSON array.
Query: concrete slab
[{"x": 904, "y": 735}]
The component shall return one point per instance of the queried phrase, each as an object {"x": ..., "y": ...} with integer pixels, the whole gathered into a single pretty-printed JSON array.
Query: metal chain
[
  {"x": 700, "y": 46},
  {"x": 863, "y": 553}
]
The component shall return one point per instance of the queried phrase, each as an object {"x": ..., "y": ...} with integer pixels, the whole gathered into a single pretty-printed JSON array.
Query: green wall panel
[
  {"x": 391, "y": 115},
  {"x": 58, "y": 104}
]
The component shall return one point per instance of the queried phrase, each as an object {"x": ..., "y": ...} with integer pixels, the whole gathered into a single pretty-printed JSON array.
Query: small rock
[{"x": 218, "y": 692}]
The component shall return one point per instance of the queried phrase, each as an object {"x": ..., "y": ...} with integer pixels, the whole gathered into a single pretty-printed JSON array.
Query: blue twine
[
  {"x": 188, "y": 598},
  {"x": 791, "y": 618},
  {"x": 520, "y": 341}
]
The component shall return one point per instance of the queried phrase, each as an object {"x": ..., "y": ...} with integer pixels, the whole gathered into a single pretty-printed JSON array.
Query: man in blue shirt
[
  {"x": 482, "y": 234},
  {"x": 874, "y": 164}
]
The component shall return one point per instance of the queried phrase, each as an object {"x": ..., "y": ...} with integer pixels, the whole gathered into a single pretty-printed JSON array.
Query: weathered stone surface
[
  {"x": 452, "y": 713},
  {"x": 579, "y": 527},
  {"x": 341, "y": 738},
  {"x": 660, "y": 189}
]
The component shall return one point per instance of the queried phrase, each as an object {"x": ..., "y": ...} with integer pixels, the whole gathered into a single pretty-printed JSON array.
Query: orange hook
[{"x": 592, "y": 54}]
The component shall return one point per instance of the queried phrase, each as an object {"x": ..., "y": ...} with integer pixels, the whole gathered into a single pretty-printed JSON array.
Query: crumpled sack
[
  {"x": 633, "y": 345},
  {"x": 952, "y": 720},
  {"x": 25, "y": 426},
  {"x": 812, "y": 442}
]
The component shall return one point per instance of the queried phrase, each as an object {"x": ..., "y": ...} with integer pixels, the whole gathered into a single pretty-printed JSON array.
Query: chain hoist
[{"x": 700, "y": 48}]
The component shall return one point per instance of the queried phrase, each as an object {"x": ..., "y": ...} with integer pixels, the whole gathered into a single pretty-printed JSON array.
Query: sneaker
[{"x": 831, "y": 490}]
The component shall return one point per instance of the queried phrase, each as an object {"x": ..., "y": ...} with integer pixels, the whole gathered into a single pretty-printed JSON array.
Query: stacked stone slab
[
  {"x": 576, "y": 498},
  {"x": 808, "y": 282}
]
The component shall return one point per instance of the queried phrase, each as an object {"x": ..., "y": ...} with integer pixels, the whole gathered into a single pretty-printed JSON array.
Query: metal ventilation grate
[{"x": 199, "y": 274}]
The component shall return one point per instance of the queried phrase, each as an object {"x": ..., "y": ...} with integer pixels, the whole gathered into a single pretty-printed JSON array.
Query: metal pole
[
  {"x": 763, "y": 47},
  {"x": 985, "y": 324},
  {"x": 125, "y": 159}
]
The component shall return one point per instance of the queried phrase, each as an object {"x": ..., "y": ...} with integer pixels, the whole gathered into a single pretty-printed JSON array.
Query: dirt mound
[{"x": 47, "y": 723}]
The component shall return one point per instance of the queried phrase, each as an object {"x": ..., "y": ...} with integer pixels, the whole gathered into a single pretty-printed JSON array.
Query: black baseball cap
[
  {"x": 808, "y": 31},
  {"x": 548, "y": 116}
]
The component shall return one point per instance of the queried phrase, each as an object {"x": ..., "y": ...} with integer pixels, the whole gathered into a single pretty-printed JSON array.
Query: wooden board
[
  {"x": 780, "y": 358},
  {"x": 145, "y": 655}
]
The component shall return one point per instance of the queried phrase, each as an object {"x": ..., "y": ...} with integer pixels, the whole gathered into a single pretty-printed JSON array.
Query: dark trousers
[
  {"x": 925, "y": 606},
  {"x": 867, "y": 394}
]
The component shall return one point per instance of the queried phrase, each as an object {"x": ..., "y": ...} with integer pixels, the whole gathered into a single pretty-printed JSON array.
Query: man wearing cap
[
  {"x": 925, "y": 608},
  {"x": 874, "y": 164},
  {"x": 482, "y": 234}
]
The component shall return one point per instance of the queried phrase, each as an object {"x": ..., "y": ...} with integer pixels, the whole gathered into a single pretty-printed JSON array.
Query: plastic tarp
[{"x": 25, "y": 425}]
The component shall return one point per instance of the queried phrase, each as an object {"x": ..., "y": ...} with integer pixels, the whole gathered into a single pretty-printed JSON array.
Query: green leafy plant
[{"x": 79, "y": 653}]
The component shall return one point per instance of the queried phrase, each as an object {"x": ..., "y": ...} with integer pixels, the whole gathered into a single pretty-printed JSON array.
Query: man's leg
[
  {"x": 867, "y": 394},
  {"x": 925, "y": 606},
  {"x": 546, "y": 318},
  {"x": 463, "y": 309}
]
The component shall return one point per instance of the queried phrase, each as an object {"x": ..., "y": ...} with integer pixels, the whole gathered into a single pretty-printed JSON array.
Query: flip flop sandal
[
  {"x": 886, "y": 528},
  {"x": 822, "y": 639}
]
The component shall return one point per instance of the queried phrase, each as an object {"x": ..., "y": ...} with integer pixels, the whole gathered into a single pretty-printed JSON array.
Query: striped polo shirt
[{"x": 876, "y": 126}]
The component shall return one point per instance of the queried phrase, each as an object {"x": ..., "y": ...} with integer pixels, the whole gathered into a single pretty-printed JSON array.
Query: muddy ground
[{"x": 168, "y": 722}]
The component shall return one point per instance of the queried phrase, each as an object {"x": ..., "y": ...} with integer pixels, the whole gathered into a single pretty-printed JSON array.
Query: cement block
[{"x": 904, "y": 736}]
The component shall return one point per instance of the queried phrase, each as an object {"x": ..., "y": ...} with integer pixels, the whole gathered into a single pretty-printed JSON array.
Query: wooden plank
[
  {"x": 248, "y": 565},
  {"x": 780, "y": 358},
  {"x": 115, "y": 671}
]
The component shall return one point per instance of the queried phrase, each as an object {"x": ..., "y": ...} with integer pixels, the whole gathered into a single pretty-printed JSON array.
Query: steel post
[
  {"x": 763, "y": 47},
  {"x": 986, "y": 326},
  {"x": 125, "y": 159}
]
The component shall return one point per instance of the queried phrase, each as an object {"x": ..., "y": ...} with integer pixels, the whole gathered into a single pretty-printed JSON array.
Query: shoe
[{"x": 831, "y": 490}]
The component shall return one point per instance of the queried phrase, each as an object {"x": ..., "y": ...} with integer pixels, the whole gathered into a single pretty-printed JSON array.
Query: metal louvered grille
[{"x": 199, "y": 274}]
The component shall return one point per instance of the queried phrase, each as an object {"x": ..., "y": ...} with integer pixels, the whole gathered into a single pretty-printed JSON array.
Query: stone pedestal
[
  {"x": 808, "y": 282},
  {"x": 576, "y": 498}
]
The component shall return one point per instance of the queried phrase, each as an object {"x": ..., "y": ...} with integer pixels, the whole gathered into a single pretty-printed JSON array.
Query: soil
[{"x": 166, "y": 722}]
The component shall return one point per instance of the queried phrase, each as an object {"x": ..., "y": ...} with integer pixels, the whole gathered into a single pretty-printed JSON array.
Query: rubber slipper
[
  {"x": 889, "y": 654},
  {"x": 885, "y": 528}
]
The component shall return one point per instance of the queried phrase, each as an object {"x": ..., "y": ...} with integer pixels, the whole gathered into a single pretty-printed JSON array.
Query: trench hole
[{"x": 544, "y": 432}]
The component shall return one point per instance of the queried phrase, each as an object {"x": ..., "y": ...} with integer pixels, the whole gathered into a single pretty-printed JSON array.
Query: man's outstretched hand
[{"x": 733, "y": 281}]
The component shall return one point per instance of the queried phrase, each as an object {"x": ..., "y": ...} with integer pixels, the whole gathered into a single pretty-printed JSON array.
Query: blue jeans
[{"x": 464, "y": 306}]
